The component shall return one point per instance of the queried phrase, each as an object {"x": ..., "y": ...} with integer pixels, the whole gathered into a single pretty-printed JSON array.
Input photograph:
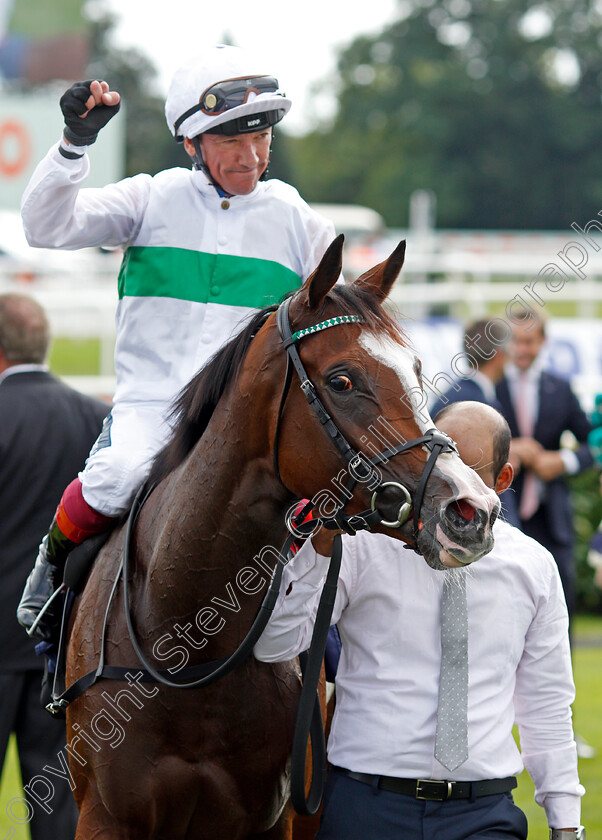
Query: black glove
[{"x": 83, "y": 132}]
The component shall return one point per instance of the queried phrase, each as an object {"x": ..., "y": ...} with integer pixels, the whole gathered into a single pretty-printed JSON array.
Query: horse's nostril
[{"x": 464, "y": 509}]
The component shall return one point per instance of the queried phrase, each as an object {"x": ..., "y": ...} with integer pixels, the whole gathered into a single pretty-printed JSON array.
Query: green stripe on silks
[{"x": 204, "y": 278}]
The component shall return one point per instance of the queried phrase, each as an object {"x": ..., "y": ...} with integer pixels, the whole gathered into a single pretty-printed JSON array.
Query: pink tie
[{"x": 530, "y": 496}]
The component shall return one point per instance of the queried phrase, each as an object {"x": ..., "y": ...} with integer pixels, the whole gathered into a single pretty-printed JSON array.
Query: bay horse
[{"x": 151, "y": 762}]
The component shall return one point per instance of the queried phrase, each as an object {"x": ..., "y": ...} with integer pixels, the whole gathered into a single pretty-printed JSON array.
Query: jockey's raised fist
[{"x": 87, "y": 107}]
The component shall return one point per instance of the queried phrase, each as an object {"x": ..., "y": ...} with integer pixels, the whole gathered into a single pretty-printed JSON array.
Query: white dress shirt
[
  {"x": 388, "y": 614},
  {"x": 486, "y": 386}
]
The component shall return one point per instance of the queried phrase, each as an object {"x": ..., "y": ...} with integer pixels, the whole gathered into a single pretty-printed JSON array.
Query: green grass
[
  {"x": 588, "y": 629},
  {"x": 587, "y": 667},
  {"x": 9, "y": 787},
  {"x": 554, "y": 308},
  {"x": 588, "y": 722},
  {"x": 75, "y": 357}
]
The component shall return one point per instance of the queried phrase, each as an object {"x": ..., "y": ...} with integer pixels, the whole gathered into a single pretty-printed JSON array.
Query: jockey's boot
[
  {"x": 73, "y": 523},
  {"x": 44, "y": 579}
]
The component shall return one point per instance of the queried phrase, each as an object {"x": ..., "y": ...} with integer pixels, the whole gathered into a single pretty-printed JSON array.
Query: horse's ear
[
  {"x": 326, "y": 274},
  {"x": 381, "y": 278}
]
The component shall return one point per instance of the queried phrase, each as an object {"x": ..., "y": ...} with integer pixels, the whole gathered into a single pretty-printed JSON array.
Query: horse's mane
[{"x": 197, "y": 401}]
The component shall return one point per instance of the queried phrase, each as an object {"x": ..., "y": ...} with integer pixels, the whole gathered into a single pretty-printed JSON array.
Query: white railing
[{"x": 81, "y": 296}]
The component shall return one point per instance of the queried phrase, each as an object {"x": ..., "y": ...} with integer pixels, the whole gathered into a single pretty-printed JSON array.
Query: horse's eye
[{"x": 341, "y": 383}]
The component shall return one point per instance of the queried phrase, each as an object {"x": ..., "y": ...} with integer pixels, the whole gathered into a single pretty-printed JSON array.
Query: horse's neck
[{"x": 220, "y": 512}]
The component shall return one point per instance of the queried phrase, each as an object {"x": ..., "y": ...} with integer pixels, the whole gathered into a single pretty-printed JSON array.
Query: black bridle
[{"x": 360, "y": 466}]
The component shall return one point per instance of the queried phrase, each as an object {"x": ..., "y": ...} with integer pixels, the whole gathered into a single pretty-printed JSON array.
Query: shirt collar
[
  {"x": 22, "y": 369},
  {"x": 485, "y": 384}
]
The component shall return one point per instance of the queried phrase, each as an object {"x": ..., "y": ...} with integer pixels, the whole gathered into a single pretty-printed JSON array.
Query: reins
[
  {"x": 360, "y": 469},
  {"x": 201, "y": 675}
]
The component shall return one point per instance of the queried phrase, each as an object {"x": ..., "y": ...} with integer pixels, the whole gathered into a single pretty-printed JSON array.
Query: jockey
[{"x": 203, "y": 248}]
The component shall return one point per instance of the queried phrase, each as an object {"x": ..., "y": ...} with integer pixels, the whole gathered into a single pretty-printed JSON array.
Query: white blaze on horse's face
[
  {"x": 404, "y": 363},
  {"x": 467, "y": 485}
]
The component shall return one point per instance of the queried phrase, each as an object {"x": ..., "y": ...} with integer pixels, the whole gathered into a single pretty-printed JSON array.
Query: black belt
[{"x": 433, "y": 789}]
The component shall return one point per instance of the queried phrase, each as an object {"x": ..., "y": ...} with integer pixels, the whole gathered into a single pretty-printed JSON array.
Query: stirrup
[
  {"x": 31, "y": 630},
  {"x": 57, "y": 707}
]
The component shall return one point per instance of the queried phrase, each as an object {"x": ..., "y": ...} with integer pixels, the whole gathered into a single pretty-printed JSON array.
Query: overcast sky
[{"x": 299, "y": 39}]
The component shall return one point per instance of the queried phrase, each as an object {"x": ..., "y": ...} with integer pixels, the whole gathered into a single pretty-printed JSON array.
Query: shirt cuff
[
  {"x": 594, "y": 559},
  {"x": 71, "y": 152},
  {"x": 570, "y": 460},
  {"x": 289, "y": 629},
  {"x": 563, "y": 810}
]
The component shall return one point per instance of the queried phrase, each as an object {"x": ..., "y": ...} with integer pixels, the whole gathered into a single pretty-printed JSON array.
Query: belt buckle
[{"x": 434, "y": 790}]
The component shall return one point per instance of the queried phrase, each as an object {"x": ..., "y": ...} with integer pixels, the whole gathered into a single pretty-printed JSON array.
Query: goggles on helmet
[{"x": 228, "y": 94}]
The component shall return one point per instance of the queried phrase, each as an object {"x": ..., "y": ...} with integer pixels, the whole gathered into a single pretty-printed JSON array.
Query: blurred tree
[
  {"x": 587, "y": 504},
  {"x": 493, "y": 104},
  {"x": 149, "y": 145}
]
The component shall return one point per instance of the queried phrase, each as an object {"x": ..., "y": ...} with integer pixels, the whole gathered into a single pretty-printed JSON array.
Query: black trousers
[
  {"x": 48, "y": 807},
  {"x": 355, "y": 811}
]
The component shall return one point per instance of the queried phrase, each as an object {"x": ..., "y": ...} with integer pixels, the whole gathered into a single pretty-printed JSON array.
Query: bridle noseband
[{"x": 360, "y": 466}]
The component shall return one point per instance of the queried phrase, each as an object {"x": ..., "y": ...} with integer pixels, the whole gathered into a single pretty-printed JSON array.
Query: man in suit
[
  {"x": 484, "y": 350},
  {"x": 46, "y": 431},
  {"x": 539, "y": 407}
]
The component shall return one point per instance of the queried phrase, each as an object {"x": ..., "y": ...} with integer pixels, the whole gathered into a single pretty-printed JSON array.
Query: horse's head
[{"x": 369, "y": 445}]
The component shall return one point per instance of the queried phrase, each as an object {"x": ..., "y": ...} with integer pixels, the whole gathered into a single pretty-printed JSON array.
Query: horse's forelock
[{"x": 352, "y": 299}]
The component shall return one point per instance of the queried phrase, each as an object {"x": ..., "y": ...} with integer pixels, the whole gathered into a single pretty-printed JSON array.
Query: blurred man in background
[
  {"x": 539, "y": 408},
  {"x": 46, "y": 431},
  {"x": 484, "y": 349}
]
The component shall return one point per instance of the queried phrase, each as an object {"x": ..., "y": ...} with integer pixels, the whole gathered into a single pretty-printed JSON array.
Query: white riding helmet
[{"x": 223, "y": 92}]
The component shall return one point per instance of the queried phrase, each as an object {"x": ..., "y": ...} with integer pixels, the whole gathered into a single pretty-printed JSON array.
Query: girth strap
[
  {"x": 199, "y": 676},
  {"x": 114, "y": 672}
]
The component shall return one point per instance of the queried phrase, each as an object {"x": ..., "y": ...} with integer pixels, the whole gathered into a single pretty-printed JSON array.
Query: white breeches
[{"x": 123, "y": 454}]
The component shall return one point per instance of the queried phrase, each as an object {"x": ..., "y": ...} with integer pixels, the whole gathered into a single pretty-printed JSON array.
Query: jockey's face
[{"x": 236, "y": 163}]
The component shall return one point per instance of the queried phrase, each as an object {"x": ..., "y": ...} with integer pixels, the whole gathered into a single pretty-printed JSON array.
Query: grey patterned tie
[{"x": 451, "y": 739}]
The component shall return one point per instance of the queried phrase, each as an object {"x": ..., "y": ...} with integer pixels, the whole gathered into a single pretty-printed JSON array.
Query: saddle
[{"x": 81, "y": 559}]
